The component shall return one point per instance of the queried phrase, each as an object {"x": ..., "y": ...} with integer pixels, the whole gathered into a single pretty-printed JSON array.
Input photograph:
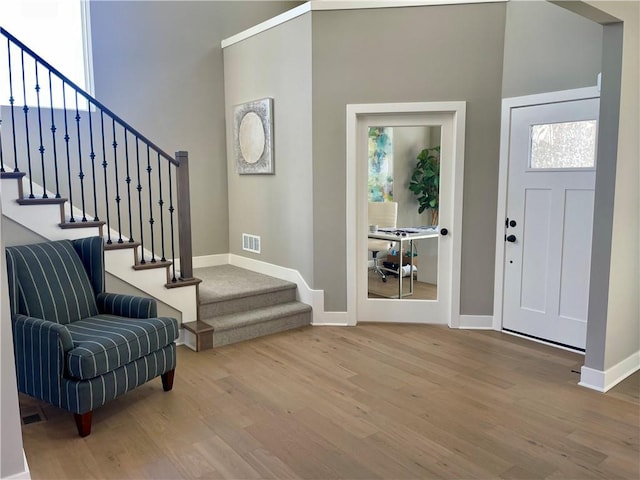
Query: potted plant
[{"x": 425, "y": 181}]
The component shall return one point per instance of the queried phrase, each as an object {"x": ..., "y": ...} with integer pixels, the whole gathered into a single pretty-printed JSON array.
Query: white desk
[{"x": 402, "y": 236}]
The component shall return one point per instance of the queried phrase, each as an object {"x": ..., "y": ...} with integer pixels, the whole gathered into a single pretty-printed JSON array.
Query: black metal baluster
[
  {"x": 106, "y": 183},
  {"x": 161, "y": 204},
  {"x": 53, "y": 137},
  {"x": 39, "y": 64},
  {"x": 41, "y": 148},
  {"x": 151, "y": 220},
  {"x": 128, "y": 180},
  {"x": 92, "y": 156},
  {"x": 66, "y": 141},
  {"x": 25, "y": 109},
  {"x": 81, "y": 173},
  {"x": 171, "y": 210},
  {"x": 13, "y": 115},
  {"x": 115, "y": 163},
  {"x": 139, "y": 189}
]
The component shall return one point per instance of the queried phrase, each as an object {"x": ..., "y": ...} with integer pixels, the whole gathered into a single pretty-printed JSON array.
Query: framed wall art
[{"x": 253, "y": 137}]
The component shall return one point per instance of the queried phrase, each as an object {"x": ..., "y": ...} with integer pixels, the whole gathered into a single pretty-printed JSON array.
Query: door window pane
[{"x": 564, "y": 145}]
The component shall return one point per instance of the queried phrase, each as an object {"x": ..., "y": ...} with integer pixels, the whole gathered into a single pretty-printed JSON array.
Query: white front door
[{"x": 548, "y": 229}]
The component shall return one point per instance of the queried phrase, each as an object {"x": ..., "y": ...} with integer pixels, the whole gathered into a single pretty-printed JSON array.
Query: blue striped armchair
[{"x": 76, "y": 346}]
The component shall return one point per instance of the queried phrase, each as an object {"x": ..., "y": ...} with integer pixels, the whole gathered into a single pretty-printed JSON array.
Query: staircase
[
  {"x": 72, "y": 168},
  {"x": 237, "y": 304},
  {"x": 49, "y": 219}
]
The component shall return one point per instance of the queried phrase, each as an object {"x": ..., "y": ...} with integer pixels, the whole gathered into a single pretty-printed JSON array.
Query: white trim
[
  {"x": 24, "y": 475},
  {"x": 604, "y": 381},
  {"x": 267, "y": 24},
  {"x": 318, "y": 5},
  {"x": 367, "y": 4},
  {"x": 210, "y": 260},
  {"x": 188, "y": 339},
  {"x": 476, "y": 322},
  {"x": 305, "y": 294},
  {"x": 508, "y": 104},
  {"x": 458, "y": 110},
  {"x": 87, "y": 48}
]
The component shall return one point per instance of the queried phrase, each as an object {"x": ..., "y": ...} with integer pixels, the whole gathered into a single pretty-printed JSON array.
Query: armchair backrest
[{"x": 56, "y": 281}]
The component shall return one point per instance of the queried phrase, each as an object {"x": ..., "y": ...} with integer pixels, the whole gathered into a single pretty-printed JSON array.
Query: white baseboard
[
  {"x": 603, "y": 381},
  {"x": 211, "y": 260},
  {"x": 476, "y": 322},
  {"x": 305, "y": 294},
  {"x": 24, "y": 475}
]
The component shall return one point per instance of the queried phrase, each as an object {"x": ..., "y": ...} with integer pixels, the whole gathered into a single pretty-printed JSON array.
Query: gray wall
[
  {"x": 158, "y": 64},
  {"x": 436, "y": 53},
  {"x": 278, "y": 208},
  {"x": 613, "y": 333},
  {"x": 547, "y": 48},
  {"x": 604, "y": 199},
  {"x": 12, "y": 461},
  {"x": 408, "y": 142}
]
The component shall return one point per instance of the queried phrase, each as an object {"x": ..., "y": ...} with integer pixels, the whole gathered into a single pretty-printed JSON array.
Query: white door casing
[
  {"x": 542, "y": 278},
  {"x": 451, "y": 117}
]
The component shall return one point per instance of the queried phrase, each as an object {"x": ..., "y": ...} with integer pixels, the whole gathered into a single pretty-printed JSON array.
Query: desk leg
[
  {"x": 400, "y": 270},
  {"x": 411, "y": 267}
]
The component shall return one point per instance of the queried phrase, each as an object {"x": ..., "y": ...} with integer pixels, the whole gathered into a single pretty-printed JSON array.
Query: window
[
  {"x": 56, "y": 30},
  {"x": 563, "y": 145}
]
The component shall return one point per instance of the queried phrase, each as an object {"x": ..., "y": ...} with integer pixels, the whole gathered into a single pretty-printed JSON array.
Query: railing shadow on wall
[{"x": 70, "y": 146}]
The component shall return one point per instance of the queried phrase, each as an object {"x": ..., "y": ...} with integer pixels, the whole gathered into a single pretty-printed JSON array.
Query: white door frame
[
  {"x": 458, "y": 111},
  {"x": 508, "y": 104}
]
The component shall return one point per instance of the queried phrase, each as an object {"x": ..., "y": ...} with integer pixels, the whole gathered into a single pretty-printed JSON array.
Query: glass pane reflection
[{"x": 393, "y": 157}]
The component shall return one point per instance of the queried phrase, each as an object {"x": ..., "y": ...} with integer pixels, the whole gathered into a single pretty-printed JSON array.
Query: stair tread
[
  {"x": 12, "y": 174},
  {"x": 197, "y": 327},
  {"x": 227, "y": 282},
  {"x": 81, "y": 224},
  {"x": 119, "y": 246},
  {"x": 255, "y": 316},
  {"x": 187, "y": 282},
  {"x": 41, "y": 201},
  {"x": 152, "y": 265}
]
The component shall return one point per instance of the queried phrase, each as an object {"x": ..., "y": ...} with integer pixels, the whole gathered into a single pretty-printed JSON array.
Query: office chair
[{"x": 385, "y": 215}]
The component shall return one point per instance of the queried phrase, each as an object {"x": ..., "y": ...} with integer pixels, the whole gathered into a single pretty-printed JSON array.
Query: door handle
[
  {"x": 444, "y": 231},
  {"x": 510, "y": 238}
]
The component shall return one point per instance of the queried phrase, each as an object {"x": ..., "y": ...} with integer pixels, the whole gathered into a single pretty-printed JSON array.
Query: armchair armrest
[
  {"x": 40, "y": 348},
  {"x": 127, "y": 305}
]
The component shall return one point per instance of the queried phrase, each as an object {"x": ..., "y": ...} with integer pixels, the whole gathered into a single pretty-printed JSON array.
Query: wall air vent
[{"x": 251, "y": 243}]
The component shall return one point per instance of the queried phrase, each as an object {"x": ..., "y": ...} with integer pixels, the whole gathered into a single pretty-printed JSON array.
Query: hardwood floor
[
  {"x": 373, "y": 401},
  {"x": 389, "y": 289}
]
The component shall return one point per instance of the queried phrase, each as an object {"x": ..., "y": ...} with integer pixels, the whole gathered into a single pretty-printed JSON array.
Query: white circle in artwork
[{"x": 251, "y": 137}]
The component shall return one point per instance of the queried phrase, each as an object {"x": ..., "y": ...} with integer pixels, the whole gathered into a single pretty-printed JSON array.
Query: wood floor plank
[{"x": 373, "y": 401}]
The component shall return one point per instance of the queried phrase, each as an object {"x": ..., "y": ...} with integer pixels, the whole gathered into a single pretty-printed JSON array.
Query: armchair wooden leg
[
  {"x": 83, "y": 422},
  {"x": 167, "y": 380}
]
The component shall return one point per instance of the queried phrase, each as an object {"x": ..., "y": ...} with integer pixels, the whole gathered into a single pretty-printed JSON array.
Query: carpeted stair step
[
  {"x": 227, "y": 289},
  {"x": 238, "y": 304},
  {"x": 258, "y": 322}
]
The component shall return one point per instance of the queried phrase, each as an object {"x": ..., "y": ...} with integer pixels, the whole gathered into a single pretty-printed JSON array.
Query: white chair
[{"x": 385, "y": 215}]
